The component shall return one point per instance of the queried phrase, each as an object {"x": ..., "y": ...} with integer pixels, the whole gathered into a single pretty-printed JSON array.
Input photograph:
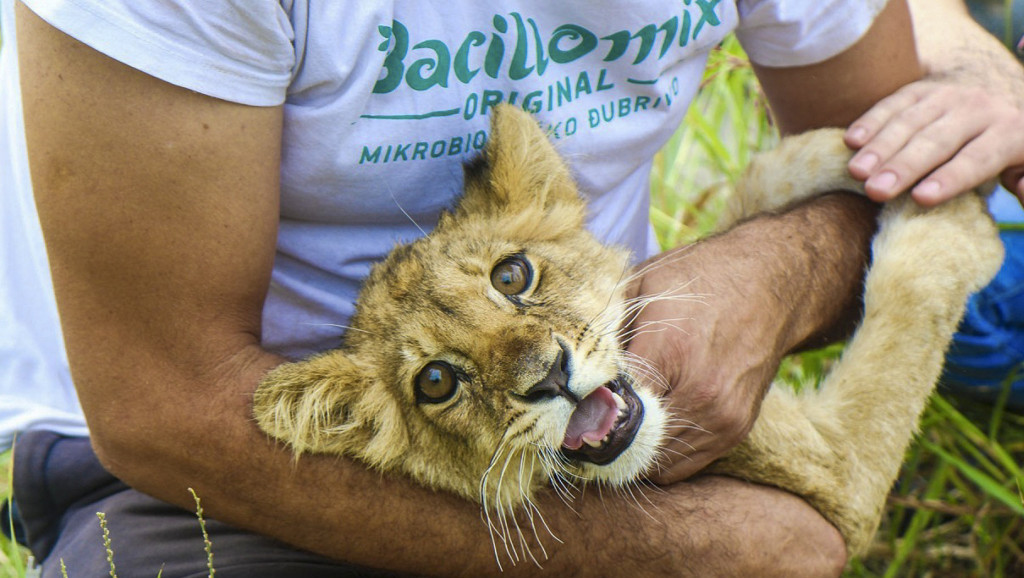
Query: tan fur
[
  {"x": 433, "y": 299},
  {"x": 841, "y": 446}
]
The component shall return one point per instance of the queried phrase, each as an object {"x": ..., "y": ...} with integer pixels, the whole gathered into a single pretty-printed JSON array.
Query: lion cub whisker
[{"x": 342, "y": 327}]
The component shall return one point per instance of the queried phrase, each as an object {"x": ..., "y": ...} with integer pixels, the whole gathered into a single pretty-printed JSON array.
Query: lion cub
[{"x": 485, "y": 358}]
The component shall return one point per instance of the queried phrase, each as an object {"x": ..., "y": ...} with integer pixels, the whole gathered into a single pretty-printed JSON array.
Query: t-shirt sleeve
[
  {"x": 235, "y": 50},
  {"x": 801, "y": 32}
]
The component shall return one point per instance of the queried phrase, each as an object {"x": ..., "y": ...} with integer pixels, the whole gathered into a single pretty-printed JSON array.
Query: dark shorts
[{"x": 59, "y": 486}]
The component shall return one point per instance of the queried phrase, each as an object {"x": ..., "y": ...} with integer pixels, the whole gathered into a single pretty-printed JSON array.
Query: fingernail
[
  {"x": 865, "y": 163},
  {"x": 883, "y": 182},
  {"x": 928, "y": 190},
  {"x": 857, "y": 134}
]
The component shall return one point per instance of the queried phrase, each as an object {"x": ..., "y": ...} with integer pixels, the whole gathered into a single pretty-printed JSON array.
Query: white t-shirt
[{"x": 383, "y": 102}]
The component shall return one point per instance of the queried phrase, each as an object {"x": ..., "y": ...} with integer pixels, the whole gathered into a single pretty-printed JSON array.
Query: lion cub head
[{"x": 484, "y": 358}]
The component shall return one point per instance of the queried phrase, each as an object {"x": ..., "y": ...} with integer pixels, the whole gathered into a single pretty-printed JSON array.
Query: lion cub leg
[{"x": 841, "y": 446}]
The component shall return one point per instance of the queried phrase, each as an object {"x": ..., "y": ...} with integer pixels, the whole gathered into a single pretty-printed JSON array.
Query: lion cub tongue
[{"x": 593, "y": 419}]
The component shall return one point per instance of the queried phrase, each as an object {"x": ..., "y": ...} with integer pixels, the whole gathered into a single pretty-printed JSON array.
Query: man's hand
[
  {"x": 769, "y": 287},
  {"x": 960, "y": 126},
  {"x": 939, "y": 138},
  {"x": 715, "y": 349}
]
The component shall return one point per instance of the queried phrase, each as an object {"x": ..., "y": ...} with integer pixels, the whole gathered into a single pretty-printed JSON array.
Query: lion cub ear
[
  {"x": 520, "y": 171},
  {"x": 307, "y": 404}
]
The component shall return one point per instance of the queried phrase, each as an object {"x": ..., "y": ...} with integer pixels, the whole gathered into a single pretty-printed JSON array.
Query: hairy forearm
[
  {"x": 807, "y": 267},
  {"x": 340, "y": 509},
  {"x": 835, "y": 257},
  {"x": 951, "y": 44}
]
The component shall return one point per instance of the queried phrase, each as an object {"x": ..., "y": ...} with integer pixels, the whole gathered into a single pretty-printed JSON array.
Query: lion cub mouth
[{"x": 604, "y": 423}]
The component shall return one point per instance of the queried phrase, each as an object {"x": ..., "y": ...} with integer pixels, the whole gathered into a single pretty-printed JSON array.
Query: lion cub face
[{"x": 484, "y": 358}]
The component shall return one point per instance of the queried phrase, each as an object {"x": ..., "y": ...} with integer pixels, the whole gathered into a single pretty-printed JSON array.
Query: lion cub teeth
[
  {"x": 623, "y": 410},
  {"x": 619, "y": 401}
]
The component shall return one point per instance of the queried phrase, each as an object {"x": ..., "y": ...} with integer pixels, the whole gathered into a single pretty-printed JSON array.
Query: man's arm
[
  {"x": 159, "y": 208},
  {"x": 966, "y": 117},
  {"x": 837, "y": 91},
  {"x": 776, "y": 283}
]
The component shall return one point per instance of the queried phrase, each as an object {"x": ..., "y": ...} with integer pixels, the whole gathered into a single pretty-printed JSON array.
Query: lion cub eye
[
  {"x": 435, "y": 383},
  {"x": 512, "y": 275}
]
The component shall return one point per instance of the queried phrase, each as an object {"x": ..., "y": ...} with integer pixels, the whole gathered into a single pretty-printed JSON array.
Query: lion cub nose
[{"x": 555, "y": 383}]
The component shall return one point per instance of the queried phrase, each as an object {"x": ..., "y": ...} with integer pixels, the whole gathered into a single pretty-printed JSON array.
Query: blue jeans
[{"x": 987, "y": 353}]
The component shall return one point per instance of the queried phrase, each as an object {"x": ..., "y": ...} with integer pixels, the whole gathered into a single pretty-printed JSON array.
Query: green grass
[
  {"x": 958, "y": 506},
  {"x": 691, "y": 175}
]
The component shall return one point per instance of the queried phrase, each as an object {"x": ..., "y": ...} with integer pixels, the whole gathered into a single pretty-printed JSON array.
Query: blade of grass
[
  {"x": 990, "y": 486},
  {"x": 974, "y": 434},
  {"x": 918, "y": 522},
  {"x": 975, "y": 455}
]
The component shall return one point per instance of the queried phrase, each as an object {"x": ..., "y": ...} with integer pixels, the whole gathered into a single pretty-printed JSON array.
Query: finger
[
  {"x": 978, "y": 161},
  {"x": 898, "y": 133},
  {"x": 867, "y": 126},
  {"x": 963, "y": 138}
]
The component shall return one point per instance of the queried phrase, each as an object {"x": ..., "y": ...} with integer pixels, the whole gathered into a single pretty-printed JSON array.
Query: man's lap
[{"x": 59, "y": 486}]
